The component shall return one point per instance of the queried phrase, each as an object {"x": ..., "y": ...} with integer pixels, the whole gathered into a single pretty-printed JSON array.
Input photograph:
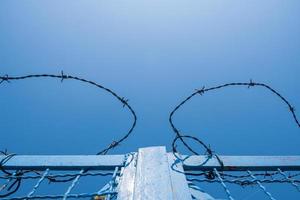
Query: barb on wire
[
  {"x": 63, "y": 76},
  {"x": 244, "y": 179},
  {"x": 4, "y": 78},
  {"x": 202, "y": 91}
]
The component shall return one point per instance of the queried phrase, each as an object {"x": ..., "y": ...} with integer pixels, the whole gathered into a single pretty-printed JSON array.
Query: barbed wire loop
[
  {"x": 209, "y": 151},
  {"x": 63, "y": 76}
]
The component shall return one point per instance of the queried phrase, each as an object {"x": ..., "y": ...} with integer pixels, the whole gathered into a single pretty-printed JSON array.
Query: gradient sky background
[{"x": 154, "y": 53}]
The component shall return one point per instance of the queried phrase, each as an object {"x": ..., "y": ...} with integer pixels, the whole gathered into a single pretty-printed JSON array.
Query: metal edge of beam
[
  {"x": 63, "y": 162},
  {"x": 242, "y": 163},
  {"x": 127, "y": 179},
  {"x": 180, "y": 184},
  {"x": 191, "y": 163},
  {"x": 180, "y": 188}
]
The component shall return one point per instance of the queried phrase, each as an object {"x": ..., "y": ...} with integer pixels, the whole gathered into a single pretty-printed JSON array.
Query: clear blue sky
[{"x": 155, "y": 53}]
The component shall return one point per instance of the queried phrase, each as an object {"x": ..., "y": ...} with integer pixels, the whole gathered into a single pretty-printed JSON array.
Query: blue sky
[{"x": 154, "y": 53}]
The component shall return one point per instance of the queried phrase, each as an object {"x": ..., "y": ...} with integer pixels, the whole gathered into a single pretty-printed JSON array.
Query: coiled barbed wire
[
  {"x": 62, "y": 77},
  {"x": 203, "y": 90}
]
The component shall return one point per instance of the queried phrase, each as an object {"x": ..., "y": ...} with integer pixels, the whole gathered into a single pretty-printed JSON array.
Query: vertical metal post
[
  {"x": 152, "y": 179},
  {"x": 153, "y": 175}
]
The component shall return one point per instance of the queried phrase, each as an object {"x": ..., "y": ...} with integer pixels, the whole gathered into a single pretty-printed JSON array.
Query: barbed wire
[
  {"x": 38, "y": 175},
  {"x": 15, "y": 178},
  {"x": 63, "y": 77},
  {"x": 208, "y": 151},
  {"x": 71, "y": 196},
  {"x": 241, "y": 182},
  {"x": 221, "y": 177},
  {"x": 245, "y": 180},
  {"x": 104, "y": 151},
  {"x": 210, "y": 175},
  {"x": 108, "y": 191},
  {"x": 15, "y": 185}
]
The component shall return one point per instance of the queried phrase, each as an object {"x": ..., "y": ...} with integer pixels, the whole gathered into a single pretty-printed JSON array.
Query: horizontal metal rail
[
  {"x": 242, "y": 163},
  {"x": 190, "y": 163},
  {"x": 64, "y": 162}
]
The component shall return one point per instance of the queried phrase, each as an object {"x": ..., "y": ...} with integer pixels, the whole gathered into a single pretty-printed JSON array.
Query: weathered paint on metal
[{"x": 152, "y": 179}]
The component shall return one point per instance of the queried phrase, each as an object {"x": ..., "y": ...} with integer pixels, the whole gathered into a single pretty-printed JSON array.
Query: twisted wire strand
[
  {"x": 210, "y": 154},
  {"x": 181, "y": 136},
  {"x": 13, "y": 188},
  {"x": 37, "y": 185},
  {"x": 74, "y": 183},
  {"x": 245, "y": 179},
  {"x": 223, "y": 185},
  {"x": 289, "y": 179},
  {"x": 242, "y": 182},
  {"x": 261, "y": 186},
  {"x": 62, "y": 76},
  {"x": 112, "y": 183},
  {"x": 47, "y": 175},
  {"x": 5, "y": 160},
  {"x": 66, "y": 175},
  {"x": 74, "y": 196},
  {"x": 14, "y": 183}
]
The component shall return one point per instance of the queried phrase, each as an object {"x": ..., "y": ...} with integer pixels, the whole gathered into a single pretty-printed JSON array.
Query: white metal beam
[
  {"x": 109, "y": 162},
  {"x": 70, "y": 162},
  {"x": 242, "y": 163}
]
